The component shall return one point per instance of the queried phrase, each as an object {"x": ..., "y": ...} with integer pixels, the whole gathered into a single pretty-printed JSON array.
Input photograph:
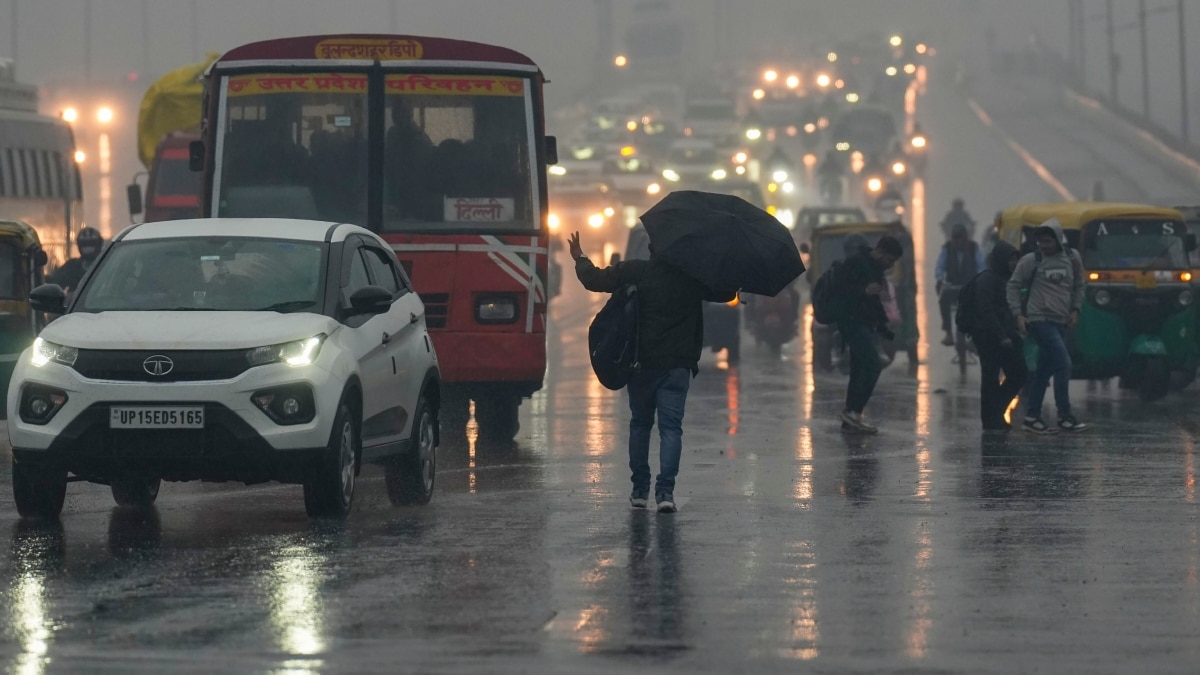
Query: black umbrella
[{"x": 724, "y": 242}]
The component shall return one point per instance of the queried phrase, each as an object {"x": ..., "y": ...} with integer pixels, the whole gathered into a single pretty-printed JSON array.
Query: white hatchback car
[{"x": 229, "y": 349}]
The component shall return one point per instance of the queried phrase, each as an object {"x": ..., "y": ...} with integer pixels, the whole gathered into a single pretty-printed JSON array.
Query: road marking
[{"x": 1038, "y": 168}]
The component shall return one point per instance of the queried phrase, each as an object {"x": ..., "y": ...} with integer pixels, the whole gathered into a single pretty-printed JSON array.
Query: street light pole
[
  {"x": 1145, "y": 60},
  {"x": 1112, "y": 54},
  {"x": 1183, "y": 78}
]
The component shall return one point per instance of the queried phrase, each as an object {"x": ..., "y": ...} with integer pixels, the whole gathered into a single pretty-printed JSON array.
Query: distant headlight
[
  {"x": 779, "y": 176},
  {"x": 753, "y": 134},
  {"x": 554, "y": 222},
  {"x": 671, "y": 175},
  {"x": 653, "y": 189},
  {"x": 875, "y": 185},
  {"x": 44, "y": 352},
  {"x": 899, "y": 168},
  {"x": 296, "y": 354},
  {"x": 596, "y": 220},
  {"x": 609, "y": 212},
  {"x": 719, "y": 174}
]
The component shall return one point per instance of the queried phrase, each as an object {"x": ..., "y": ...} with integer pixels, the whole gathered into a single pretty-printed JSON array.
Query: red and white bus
[{"x": 439, "y": 146}]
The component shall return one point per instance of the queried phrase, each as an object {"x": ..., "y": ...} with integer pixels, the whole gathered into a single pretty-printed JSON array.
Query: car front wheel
[
  {"x": 38, "y": 491},
  {"x": 329, "y": 491},
  {"x": 410, "y": 478}
]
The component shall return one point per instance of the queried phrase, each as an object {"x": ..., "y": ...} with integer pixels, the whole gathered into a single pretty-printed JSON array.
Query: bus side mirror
[
  {"x": 196, "y": 155},
  {"x": 551, "y": 150},
  {"x": 133, "y": 192},
  {"x": 1190, "y": 242}
]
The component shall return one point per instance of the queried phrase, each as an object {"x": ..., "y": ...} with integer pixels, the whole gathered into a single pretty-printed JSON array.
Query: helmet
[
  {"x": 89, "y": 242},
  {"x": 958, "y": 203}
]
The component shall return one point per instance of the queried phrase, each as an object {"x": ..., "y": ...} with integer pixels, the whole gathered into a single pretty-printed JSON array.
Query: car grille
[
  {"x": 188, "y": 366},
  {"x": 437, "y": 308}
]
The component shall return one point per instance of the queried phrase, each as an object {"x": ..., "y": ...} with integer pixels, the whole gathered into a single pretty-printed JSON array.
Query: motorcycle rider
[
  {"x": 89, "y": 242},
  {"x": 960, "y": 260},
  {"x": 957, "y": 215},
  {"x": 890, "y": 203}
]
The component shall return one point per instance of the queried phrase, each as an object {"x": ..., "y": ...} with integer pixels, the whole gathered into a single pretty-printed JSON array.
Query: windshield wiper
[
  {"x": 288, "y": 306},
  {"x": 1154, "y": 261}
]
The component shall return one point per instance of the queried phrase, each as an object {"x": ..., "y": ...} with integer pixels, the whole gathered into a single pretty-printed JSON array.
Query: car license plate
[
  {"x": 157, "y": 417},
  {"x": 1145, "y": 283}
]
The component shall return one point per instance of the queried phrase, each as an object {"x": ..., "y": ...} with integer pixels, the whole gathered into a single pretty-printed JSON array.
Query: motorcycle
[
  {"x": 831, "y": 190},
  {"x": 775, "y": 321}
]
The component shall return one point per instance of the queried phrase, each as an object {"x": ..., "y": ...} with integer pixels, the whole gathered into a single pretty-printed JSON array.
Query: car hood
[{"x": 184, "y": 330}]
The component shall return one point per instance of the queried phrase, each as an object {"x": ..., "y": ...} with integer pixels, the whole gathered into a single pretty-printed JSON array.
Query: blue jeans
[
  {"x": 664, "y": 392},
  {"x": 1054, "y": 360}
]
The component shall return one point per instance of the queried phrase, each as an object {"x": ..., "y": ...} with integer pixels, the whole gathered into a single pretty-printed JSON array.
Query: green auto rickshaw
[
  {"x": 827, "y": 246},
  {"x": 22, "y": 262},
  {"x": 1139, "y": 318}
]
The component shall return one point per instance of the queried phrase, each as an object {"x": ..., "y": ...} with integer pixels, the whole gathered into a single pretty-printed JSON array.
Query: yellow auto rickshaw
[
  {"x": 1139, "y": 317},
  {"x": 829, "y": 245},
  {"x": 22, "y": 261}
]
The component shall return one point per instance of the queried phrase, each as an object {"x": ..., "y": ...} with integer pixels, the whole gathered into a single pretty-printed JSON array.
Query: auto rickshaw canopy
[
  {"x": 819, "y": 262},
  {"x": 1074, "y": 215},
  {"x": 24, "y": 234}
]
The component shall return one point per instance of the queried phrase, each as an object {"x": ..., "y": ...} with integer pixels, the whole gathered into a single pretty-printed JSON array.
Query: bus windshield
[{"x": 1134, "y": 244}]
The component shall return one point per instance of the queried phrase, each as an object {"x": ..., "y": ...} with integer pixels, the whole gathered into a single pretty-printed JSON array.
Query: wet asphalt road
[{"x": 796, "y": 549}]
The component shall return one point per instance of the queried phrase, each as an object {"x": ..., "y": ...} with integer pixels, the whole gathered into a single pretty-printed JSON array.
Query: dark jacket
[
  {"x": 854, "y": 275},
  {"x": 996, "y": 321},
  {"x": 670, "y": 313},
  {"x": 70, "y": 274}
]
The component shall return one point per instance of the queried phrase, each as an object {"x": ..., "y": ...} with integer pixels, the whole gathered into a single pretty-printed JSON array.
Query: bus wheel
[
  {"x": 1156, "y": 381},
  {"x": 497, "y": 417}
]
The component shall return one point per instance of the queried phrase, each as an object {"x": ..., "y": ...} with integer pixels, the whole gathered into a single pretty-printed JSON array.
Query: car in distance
[{"x": 245, "y": 350}]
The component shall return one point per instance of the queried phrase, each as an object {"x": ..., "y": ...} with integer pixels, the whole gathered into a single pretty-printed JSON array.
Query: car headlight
[
  {"x": 44, "y": 352},
  {"x": 1185, "y": 297},
  {"x": 609, "y": 212},
  {"x": 296, "y": 354},
  {"x": 780, "y": 176},
  {"x": 596, "y": 220},
  {"x": 899, "y": 168},
  {"x": 1103, "y": 297},
  {"x": 874, "y": 185},
  {"x": 719, "y": 174},
  {"x": 671, "y": 175},
  {"x": 653, "y": 189}
]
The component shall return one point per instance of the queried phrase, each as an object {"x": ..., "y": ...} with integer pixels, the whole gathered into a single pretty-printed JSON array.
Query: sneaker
[
  {"x": 666, "y": 502},
  {"x": 1069, "y": 423},
  {"x": 639, "y": 498},
  {"x": 1035, "y": 425},
  {"x": 852, "y": 422}
]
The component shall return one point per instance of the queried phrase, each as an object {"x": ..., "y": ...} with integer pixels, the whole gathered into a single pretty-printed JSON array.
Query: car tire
[
  {"x": 497, "y": 416},
  {"x": 329, "y": 491},
  {"x": 38, "y": 491},
  {"x": 410, "y": 479},
  {"x": 137, "y": 492}
]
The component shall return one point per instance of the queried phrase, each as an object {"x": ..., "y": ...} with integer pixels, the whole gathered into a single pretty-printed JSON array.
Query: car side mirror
[
  {"x": 551, "y": 150},
  {"x": 39, "y": 258},
  {"x": 133, "y": 193},
  {"x": 616, "y": 258},
  {"x": 805, "y": 249},
  {"x": 371, "y": 300},
  {"x": 1190, "y": 242},
  {"x": 49, "y": 298},
  {"x": 196, "y": 155}
]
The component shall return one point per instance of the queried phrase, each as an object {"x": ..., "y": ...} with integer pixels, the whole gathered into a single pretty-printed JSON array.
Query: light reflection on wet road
[{"x": 925, "y": 548}]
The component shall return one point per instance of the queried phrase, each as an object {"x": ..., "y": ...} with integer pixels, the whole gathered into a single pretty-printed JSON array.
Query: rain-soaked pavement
[{"x": 925, "y": 549}]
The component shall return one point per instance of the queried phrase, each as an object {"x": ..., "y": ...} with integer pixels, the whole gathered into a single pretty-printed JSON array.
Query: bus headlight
[
  {"x": 1185, "y": 297},
  {"x": 1103, "y": 298},
  {"x": 496, "y": 309}
]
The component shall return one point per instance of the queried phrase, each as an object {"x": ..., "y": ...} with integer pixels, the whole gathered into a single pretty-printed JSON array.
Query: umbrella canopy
[{"x": 724, "y": 242}]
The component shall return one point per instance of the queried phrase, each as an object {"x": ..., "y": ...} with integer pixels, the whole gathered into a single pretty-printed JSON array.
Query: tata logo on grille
[{"x": 158, "y": 365}]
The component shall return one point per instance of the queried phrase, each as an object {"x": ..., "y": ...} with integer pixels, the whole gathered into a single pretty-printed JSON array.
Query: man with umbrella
[{"x": 703, "y": 247}]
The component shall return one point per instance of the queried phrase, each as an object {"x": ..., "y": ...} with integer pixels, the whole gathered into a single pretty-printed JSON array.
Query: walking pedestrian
[
  {"x": 670, "y": 340},
  {"x": 1053, "y": 279},
  {"x": 997, "y": 339},
  {"x": 860, "y": 283},
  {"x": 960, "y": 260}
]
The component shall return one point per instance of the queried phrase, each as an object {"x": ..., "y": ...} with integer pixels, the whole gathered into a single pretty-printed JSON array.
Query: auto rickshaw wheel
[{"x": 1156, "y": 379}]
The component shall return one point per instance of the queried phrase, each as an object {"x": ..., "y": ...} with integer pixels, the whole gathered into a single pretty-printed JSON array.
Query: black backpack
[
  {"x": 966, "y": 318},
  {"x": 825, "y": 301},
  {"x": 613, "y": 339}
]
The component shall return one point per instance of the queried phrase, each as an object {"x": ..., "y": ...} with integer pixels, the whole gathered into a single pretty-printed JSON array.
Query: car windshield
[
  {"x": 207, "y": 274},
  {"x": 1132, "y": 244}
]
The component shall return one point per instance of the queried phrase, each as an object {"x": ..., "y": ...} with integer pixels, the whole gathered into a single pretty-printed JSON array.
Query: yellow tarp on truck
[{"x": 173, "y": 103}]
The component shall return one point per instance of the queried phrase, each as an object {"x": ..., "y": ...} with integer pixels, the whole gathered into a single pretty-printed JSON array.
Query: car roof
[{"x": 269, "y": 228}]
